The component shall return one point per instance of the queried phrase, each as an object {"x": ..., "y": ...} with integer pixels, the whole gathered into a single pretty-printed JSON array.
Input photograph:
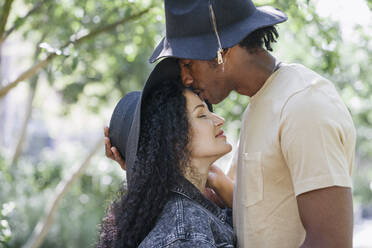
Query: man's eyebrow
[{"x": 198, "y": 106}]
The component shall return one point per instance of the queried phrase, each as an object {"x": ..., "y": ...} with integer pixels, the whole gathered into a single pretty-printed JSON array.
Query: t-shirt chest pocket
[{"x": 251, "y": 178}]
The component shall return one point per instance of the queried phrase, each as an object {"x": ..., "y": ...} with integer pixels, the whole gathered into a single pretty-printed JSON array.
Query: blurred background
[{"x": 66, "y": 63}]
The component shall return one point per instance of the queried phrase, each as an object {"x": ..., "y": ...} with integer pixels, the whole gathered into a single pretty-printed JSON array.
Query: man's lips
[
  {"x": 202, "y": 95},
  {"x": 220, "y": 134}
]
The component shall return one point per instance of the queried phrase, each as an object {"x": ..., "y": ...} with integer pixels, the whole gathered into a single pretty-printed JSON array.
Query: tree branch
[
  {"x": 42, "y": 228},
  {"x": 107, "y": 28},
  {"x": 25, "y": 75},
  {"x": 4, "y": 16},
  {"x": 35, "y": 68},
  {"x": 23, "y": 132},
  {"x": 22, "y": 20},
  {"x": 29, "y": 107}
]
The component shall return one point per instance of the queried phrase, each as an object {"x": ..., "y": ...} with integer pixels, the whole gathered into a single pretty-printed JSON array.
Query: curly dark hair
[
  {"x": 162, "y": 158},
  {"x": 259, "y": 38}
]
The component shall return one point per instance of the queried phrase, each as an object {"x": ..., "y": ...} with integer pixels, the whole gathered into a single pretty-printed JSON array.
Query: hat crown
[
  {"x": 199, "y": 29},
  {"x": 125, "y": 123},
  {"x": 122, "y": 120},
  {"x": 187, "y": 18}
]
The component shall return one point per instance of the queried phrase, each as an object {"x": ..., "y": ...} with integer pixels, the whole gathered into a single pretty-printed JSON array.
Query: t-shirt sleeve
[{"x": 317, "y": 141}]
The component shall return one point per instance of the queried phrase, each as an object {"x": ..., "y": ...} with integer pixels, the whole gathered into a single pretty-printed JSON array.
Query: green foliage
[
  {"x": 109, "y": 64},
  {"x": 362, "y": 186},
  {"x": 5, "y": 231},
  {"x": 369, "y": 2},
  {"x": 96, "y": 73},
  {"x": 93, "y": 75},
  {"x": 6, "y": 208},
  {"x": 77, "y": 220}
]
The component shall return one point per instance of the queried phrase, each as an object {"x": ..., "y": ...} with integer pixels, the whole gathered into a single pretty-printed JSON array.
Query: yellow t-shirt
[{"x": 297, "y": 135}]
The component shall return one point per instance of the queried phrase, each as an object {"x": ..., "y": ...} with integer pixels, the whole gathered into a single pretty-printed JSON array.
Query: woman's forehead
[{"x": 193, "y": 99}]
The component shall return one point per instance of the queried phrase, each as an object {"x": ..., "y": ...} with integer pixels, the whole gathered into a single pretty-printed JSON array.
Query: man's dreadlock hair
[{"x": 258, "y": 38}]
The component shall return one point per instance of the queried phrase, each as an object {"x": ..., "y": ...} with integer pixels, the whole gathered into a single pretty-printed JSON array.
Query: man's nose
[
  {"x": 187, "y": 80},
  {"x": 186, "y": 77}
]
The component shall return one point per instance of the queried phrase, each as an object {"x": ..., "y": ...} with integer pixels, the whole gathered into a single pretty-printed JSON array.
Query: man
[{"x": 296, "y": 153}]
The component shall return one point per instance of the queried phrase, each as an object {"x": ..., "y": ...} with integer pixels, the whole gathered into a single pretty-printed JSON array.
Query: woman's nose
[{"x": 218, "y": 120}]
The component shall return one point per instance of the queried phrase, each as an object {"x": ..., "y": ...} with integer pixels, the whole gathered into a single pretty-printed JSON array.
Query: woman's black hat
[{"x": 125, "y": 123}]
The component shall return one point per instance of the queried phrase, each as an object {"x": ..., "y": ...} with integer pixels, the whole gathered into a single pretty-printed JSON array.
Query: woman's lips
[{"x": 221, "y": 134}]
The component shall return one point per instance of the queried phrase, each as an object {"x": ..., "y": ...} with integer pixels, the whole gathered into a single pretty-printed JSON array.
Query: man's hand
[
  {"x": 213, "y": 197},
  {"x": 221, "y": 184},
  {"x": 327, "y": 216},
  {"x": 111, "y": 151}
]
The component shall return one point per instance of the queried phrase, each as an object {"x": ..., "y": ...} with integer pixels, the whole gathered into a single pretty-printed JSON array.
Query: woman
[{"x": 168, "y": 139}]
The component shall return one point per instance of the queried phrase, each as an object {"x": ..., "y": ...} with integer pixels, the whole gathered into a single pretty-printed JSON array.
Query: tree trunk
[
  {"x": 42, "y": 228},
  {"x": 26, "y": 75},
  {"x": 20, "y": 21},
  {"x": 4, "y": 17},
  {"x": 23, "y": 134},
  {"x": 1, "y": 100}
]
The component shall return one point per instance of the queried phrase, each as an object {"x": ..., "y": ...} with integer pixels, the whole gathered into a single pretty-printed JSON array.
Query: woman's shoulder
[
  {"x": 183, "y": 223},
  {"x": 173, "y": 223}
]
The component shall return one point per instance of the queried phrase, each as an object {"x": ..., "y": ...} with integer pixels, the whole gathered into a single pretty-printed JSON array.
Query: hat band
[{"x": 214, "y": 24}]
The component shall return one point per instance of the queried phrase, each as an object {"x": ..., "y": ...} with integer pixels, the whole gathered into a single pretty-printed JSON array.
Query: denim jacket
[{"x": 190, "y": 220}]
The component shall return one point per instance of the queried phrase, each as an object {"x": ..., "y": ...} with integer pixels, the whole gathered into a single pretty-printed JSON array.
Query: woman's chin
[
  {"x": 212, "y": 154},
  {"x": 227, "y": 148}
]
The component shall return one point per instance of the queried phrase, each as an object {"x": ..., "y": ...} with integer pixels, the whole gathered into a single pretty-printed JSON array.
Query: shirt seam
[
  {"x": 196, "y": 237},
  {"x": 294, "y": 93},
  {"x": 221, "y": 216},
  {"x": 180, "y": 216}
]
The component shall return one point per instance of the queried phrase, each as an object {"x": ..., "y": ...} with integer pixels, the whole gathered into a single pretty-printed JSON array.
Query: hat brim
[
  {"x": 164, "y": 70},
  {"x": 204, "y": 47}
]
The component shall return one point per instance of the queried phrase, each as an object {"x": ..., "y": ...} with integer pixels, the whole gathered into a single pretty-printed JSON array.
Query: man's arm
[
  {"x": 111, "y": 151},
  {"x": 317, "y": 139},
  {"x": 221, "y": 184},
  {"x": 327, "y": 216},
  {"x": 231, "y": 172}
]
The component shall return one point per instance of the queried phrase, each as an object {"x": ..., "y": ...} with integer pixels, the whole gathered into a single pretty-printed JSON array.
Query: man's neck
[{"x": 254, "y": 72}]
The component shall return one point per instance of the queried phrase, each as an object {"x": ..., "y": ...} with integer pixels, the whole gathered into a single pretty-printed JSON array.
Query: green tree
[{"x": 91, "y": 52}]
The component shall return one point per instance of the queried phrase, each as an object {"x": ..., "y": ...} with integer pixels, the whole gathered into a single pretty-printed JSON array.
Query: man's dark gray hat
[
  {"x": 199, "y": 29},
  {"x": 125, "y": 123}
]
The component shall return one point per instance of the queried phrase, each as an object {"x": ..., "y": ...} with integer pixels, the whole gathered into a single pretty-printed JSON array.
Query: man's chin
[
  {"x": 209, "y": 99},
  {"x": 217, "y": 98},
  {"x": 214, "y": 101}
]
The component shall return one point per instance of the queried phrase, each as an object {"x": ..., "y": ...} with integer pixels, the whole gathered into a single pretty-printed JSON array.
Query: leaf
[{"x": 75, "y": 62}]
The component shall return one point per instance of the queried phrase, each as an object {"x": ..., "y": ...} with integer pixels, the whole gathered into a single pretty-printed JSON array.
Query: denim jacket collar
[{"x": 187, "y": 189}]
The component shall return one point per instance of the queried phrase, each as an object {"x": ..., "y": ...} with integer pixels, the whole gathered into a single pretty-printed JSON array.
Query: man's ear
[
  {"x": 226, "y": 51},
  {"x": 228, "y": 55},
  {"x": 186, "y": 77}
]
